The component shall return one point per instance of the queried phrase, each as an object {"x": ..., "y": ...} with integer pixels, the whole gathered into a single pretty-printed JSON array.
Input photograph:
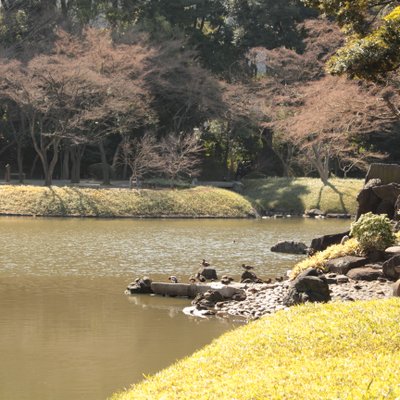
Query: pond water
[{"x": 67, "y": 331}]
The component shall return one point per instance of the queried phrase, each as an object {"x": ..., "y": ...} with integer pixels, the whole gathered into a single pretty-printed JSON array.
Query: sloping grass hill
[
  {"x": 334, "y": 351},
  {"x": 71, "y": 201},
  {"x": 299, "y": 194}
]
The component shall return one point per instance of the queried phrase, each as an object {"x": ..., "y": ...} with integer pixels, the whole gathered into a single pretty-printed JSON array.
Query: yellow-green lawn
[
  {"x": 73, "y": 201},
  {"x": 332, "y": 351},
  {"x": 299, "y": 194}
]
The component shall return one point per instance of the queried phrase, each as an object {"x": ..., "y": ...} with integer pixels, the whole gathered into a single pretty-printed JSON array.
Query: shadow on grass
[
  {"x": 340, "y": 194},
  {"x": 63, "y": 210},
  {"x": 78, "y": 201},
  {"x": 86, "y": 206},
  {"x": 276, "y": 194}
]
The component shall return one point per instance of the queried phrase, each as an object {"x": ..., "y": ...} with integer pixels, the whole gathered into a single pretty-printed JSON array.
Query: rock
[
  {"x": 396, "y": 289},
  {"x": 338, "y": 216},
  {"x": 388, "y": 193},
  {"x": 322, "y": 242},
  {"x": 368, "y": 201},
  {"x": 343, "y": 265},
  {"x": 386, "y": 173},
  {"x": 140, "y": 286},
  {"x": 392, "y": 251},
  {"x": 314, "y": 212},
  {"x": 249, "y": 277},
  {"x": 209, "y": 299},
  {"x": 307, "y": 287},
  {"x": 365, "y": 274},
  {"x": 332, "y": 278},
  {"x": 208, "y": 273},
  {"x": 342, "y": 279},
  {"x": 290, "y": 247},
  {"x": 239, "y": 297},
  {"x": 391, "y": 268},
  {"x": 385, "y": 207}
]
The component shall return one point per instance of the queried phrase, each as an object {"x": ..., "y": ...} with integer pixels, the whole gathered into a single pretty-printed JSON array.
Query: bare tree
[
  {"x": 180, "y": 154},
  {"x": 142, "y": 156}
]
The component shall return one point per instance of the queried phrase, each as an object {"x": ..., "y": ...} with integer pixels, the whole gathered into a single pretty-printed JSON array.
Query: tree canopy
[{"x": 372, "y": 27}]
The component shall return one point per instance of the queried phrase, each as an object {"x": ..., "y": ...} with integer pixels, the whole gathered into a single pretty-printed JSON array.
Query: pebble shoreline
[{"x": 263, "y": 299}]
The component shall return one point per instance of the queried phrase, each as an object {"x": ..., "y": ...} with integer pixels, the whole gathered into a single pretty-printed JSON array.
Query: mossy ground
[
  {"x": 333, "y": 351},
  {"x": 299, "y": 194},
  {"x": 80, "y": 202}
]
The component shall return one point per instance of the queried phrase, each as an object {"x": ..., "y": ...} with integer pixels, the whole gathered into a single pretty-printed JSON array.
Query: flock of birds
[{"x": 225, "y": 279}]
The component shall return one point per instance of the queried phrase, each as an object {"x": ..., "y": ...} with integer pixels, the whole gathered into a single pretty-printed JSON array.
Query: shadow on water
[{"x": 278, "y": 195}]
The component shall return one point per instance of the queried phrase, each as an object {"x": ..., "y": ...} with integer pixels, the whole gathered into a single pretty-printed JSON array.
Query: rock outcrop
[
  {"x": 309, "y": 286},
  {"x": 343, "y": 265},
  {"x": 290, "y": 247},
  {"x": 391, "y": 268}
]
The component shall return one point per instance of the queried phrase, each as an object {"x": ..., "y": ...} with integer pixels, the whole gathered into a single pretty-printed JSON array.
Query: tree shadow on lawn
[
  {"x": 277, "y": 195},
  {"x": 337, "y": 191},
  {"x": 83, "y": 206}
]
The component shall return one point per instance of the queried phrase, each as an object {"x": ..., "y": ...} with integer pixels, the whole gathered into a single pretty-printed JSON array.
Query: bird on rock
[
  {"x": 247, "y": 267},
  {"x": 192, "y": 279},
  {"x": 205, "y": 263},
  {"x": 173, "y": 279}
]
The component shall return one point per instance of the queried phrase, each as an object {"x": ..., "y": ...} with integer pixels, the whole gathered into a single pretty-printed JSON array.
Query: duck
[
  {"x": 226, "y": 280},
  {"x": 201, "y": 278},
  {"x": 192, "y": 280},
  {"x": 205, "y": 263},
  {"x": 173, "y": 279},
  {"x": 247, "y": 267}
]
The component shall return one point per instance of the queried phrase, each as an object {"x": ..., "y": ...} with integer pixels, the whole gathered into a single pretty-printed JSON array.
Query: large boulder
[
  {"x": 322, "y": 242},
  {"x": 309, "y": 286},
  {"x": 391, "y": 268},
  {"x": 290, "y": 247},
  {"x": 368, "y": 201},
  {"x": 208, "y": 273},
  {"x": 342, "y": 265},
  {"x": 365, "y": 274},
  {"x": 389, "y": 192}
]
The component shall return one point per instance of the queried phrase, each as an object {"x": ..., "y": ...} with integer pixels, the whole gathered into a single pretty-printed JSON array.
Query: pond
[{"x": 67, "y": 331}]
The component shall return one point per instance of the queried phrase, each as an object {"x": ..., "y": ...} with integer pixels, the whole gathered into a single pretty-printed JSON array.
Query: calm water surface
[{"x": 66, "y": 329}]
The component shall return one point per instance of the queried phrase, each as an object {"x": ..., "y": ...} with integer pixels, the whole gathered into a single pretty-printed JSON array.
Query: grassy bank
[
  {"x": 334, "y": 351},
  {"x": 299, "y": 194},
  {"x": 79, "y": 202}
]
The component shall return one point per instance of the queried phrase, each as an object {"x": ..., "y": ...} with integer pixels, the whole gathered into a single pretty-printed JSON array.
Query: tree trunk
[
  {"x": 105, "y": 166},
  {"x": 321, "y": 165},
  {"x": 65, "y": 163},
  {"x": 76, "y": 157},
  {"x": 49, "y": 171},
  {"x": 20, "y": 162}
]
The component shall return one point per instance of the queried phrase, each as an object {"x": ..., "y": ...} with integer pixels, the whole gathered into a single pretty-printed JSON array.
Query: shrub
[{"x": 373, "y": 232}]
